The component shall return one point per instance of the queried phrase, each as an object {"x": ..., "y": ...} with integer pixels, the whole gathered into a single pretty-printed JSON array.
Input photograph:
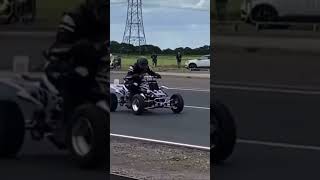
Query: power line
[{"x": 134, "y": 29}]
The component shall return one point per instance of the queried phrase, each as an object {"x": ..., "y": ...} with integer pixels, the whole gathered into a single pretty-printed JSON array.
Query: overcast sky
[{"x": 167, "y": 23}]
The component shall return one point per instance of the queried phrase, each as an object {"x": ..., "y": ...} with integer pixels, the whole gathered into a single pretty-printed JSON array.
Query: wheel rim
[
  {"x": 82, "y": 136},
  {"x": 174, "y": 103},
  {"x": 135, "y": 105}
]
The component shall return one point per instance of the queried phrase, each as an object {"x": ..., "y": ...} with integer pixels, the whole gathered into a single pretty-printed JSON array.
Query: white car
[
  {"x": 274, "y": 10},
  {"x": 202, "y": 62}
]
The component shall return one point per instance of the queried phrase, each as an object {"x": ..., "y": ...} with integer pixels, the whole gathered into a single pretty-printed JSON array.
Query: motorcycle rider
[
  {"x": 135, "y": 74},
  {"x": 82, "y": 37}
]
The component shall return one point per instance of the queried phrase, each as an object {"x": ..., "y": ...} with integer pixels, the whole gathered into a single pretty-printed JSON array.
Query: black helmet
[
  {"x": 100, "y": 10},
  {"x": 142, "y": 63}
]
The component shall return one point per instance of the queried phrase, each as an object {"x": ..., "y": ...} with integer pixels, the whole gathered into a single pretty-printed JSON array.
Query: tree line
[{"x": 123, "y": 48}]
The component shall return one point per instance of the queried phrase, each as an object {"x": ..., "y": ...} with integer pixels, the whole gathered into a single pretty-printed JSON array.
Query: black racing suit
[
  {"x": 80, "y": 41},
  {"x": 134, "y": 75}
]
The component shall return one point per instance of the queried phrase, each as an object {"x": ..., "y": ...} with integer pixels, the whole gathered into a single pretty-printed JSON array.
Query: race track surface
[
  {"x": 189, "y": 127},
  {"x": 41, "y": 160},
  {"x": 275, "y": 99}
]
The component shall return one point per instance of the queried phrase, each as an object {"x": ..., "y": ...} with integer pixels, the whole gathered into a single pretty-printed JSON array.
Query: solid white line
[
  {"x": 281, "y": 145},
  {"x": 186, "y": 89},
  {"x": 123, "y": 176},
  {"x": 161, "y": 142},
  {"x": 197, "y": 107},
  {"x": 275, "y": 90}
]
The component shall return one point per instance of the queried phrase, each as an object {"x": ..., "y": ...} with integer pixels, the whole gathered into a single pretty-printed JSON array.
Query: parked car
[
  {"x": 275, "y": 10},
  {"x": 202, "y": 62}
]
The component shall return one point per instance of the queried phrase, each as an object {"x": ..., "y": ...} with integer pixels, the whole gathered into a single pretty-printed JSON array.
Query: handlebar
[{"x": 143, "y": 77}]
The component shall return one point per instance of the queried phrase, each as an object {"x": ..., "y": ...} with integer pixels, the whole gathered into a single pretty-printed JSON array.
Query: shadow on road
[{"x": 40, "y": 160}]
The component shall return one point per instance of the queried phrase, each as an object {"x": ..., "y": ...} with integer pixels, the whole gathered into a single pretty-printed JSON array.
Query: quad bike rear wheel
[
  {"x": 223, "y": 133},
  {"x": 87, "y": 138},
  {"x": 12, "y": 129},
  {"x": 176, "y": 103}
]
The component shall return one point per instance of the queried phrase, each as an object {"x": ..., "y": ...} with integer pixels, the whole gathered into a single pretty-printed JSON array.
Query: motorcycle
[
  {"x": 34, "y": 105},
  {"x": 223, "y": 132},
  {"x": 151, "y": 96}
]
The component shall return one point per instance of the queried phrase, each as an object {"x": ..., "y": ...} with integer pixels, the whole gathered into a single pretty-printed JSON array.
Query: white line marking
[
  {"x": 281, "y": 145},
  {"x": 123, "y": 176},
  {"x": 276, "y": 90},
  {"x": 162, "y": 142},
  {"x": 186, "y": 89},
  {"x": 197, "y": 107}
]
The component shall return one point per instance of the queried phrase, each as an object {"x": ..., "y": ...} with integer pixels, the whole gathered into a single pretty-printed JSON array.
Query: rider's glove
[{"x": 158, "y": 75}]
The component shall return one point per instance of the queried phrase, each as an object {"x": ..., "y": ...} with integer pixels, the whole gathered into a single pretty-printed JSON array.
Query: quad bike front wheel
[
  {"x": 114, "y": 102},
  {"x": 137, "y": 104},
  {"x": 87, "y": 138},
  {"x": 12, "y": 129},
  {"x": 176, "y": 103},
  {"x": 223, "y": 132}
]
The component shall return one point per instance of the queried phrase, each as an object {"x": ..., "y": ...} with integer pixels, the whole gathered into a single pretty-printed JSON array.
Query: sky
[{"x": 167, "y": 23}]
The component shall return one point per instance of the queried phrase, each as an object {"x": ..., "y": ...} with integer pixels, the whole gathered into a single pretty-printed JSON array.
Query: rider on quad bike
[
  {"x": 82, "y": 37},
  {"x": 72, "y": 109},
  {"x": 135, "y": 74},
  {"x": 74, "y": 65}
]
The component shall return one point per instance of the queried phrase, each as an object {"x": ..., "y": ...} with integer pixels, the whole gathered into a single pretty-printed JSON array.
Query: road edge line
[
  {"x": 197, "y": 107},
  {"x": 279, "y": 145},
  {"x": 128, "y": 177},
  {"x": 162, "y": 142}
]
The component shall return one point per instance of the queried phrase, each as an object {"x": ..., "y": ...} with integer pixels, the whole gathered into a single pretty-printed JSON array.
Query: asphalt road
[
  {"x": 275, "y": 99},
  {"x": 41, "y": 160},
  {"x": 265, "y": 119},
  {"x": 189, "y": 127},
  {"x": 266, "y": 66}
]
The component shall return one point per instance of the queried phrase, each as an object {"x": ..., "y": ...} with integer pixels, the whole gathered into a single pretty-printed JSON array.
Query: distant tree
[{"x": 123, "y": 48}]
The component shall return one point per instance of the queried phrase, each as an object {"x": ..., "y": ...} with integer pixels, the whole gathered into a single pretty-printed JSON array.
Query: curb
[
  {"x": 248, "y": 43},
  {"x": 185, "y": 75}
]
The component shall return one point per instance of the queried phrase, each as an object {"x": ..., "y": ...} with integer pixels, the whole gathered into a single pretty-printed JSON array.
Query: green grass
[
  {"x": 165, "y": 62},
  {"x": 234, "y": 6}
]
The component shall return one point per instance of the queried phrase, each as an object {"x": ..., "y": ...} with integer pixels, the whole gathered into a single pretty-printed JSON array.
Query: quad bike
[
  {"x": 33, "y": 104},
  {"x": 223, "y": 132},
  {"x": 151, "y": 96}
]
